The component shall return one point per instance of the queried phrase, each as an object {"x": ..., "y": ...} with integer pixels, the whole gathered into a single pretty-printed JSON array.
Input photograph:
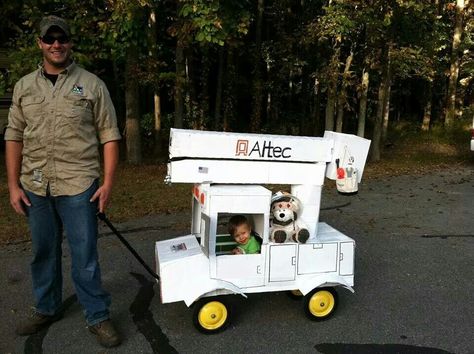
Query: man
[{"x": 59, "y": 115}]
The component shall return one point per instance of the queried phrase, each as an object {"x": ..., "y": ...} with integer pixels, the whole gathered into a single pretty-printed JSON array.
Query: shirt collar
[{"x": 69, "y": 69}]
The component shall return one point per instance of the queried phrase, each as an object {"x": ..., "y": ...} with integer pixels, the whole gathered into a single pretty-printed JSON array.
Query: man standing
[{"x": 59, "y": 115}]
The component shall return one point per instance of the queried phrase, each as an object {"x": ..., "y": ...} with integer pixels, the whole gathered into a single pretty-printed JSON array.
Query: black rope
[{"x": 102, "y": 217}]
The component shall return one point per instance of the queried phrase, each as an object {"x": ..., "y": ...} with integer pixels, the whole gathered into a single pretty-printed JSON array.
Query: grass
[
  {"x": 410, "y": 151},
  {"x": 140, "y": 191}
]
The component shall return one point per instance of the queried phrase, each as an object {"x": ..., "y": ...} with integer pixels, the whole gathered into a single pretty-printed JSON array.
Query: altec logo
[{"x": 265, "y": 149}]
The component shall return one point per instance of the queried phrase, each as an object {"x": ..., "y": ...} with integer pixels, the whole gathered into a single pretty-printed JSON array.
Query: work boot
[
  {"x": 36, "y": 322},
  {"x": 106, "y": 334}
]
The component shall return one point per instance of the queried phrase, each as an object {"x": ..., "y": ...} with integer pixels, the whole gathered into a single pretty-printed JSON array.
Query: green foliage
[
  {"x": 456, "y": 134},
  {"x": 467, "y": 50},
  {"x": 210, "y": 22},
  {"x": 338, "y": 20},
  {"x": 410, "y": 62},
  {"x": 304, "y": 46}
]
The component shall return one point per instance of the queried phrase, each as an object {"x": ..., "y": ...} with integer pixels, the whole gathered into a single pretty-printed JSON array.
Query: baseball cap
[{"x": 50, "y": 21}]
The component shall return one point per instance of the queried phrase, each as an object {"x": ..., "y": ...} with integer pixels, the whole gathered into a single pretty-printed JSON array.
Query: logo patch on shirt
[
  {"x": 78, "y": 90},
  {"x": 37, "y": 176}
]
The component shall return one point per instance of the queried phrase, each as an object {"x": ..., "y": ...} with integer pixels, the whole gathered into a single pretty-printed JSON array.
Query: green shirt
[{"x": 252, "y": 246}]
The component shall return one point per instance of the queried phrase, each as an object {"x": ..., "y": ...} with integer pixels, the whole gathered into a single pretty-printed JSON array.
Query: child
[{"x": 240, "y": 229}]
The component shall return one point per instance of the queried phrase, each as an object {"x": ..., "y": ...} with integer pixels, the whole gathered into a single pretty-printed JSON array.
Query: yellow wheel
[
  {"x": 211, "y": 315},
  {"x": 320, "y": 303}
]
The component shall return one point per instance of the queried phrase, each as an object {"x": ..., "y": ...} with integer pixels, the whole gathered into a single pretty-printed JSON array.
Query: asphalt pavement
[{"x": 414, "y": 279}]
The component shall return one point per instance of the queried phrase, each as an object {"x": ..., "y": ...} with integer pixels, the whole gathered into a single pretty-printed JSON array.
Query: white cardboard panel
[
  {"x": 242, "y": 270},
  {"x": 246, "y": 172},
  {"x": 178, "y": 256},
  {"x": 222, "y": 145},
  {"x": 310, "y": 212},
  {"x": 177, "y": 248},
  {"x": 346, "y": 265},
  {"x": 345, "y": 146},
  {"x": 185, "y": 272},
  {"x": 326, "y": 254},
  {"x": 239, "y": 190},
  {"x": 282, "y": 264},
  {"x": 327, "y": 233},
  {"x": 240, "y": 205},
  {"x": 307, "y": 194}
]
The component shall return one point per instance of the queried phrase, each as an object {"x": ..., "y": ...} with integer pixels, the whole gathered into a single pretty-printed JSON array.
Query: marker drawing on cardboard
[{"x": 297, "y": 252}]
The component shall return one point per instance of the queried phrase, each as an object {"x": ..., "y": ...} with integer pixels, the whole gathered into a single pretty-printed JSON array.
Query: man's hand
[
  {"x": 111, "y": 155},
  {"x": 18, "y": 200},
  {"x": 102, "y": 195}
]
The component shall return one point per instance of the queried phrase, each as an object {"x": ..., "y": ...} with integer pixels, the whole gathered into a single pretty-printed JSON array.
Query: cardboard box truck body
[{"x": 228, "y": 170}]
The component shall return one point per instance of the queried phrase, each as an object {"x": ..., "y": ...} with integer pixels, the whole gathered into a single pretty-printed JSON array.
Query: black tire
[
  {"x": 320, "y": 304},
  {"x": 211, "y": 315}
]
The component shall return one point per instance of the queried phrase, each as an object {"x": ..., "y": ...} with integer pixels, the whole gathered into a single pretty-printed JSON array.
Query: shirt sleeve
[
  {"x": 105, "y": 116},
  {"x": 16, "y": 121}
]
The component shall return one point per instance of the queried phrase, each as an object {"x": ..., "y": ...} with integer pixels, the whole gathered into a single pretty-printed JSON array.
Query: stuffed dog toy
[{"x": 284, "y": 226}]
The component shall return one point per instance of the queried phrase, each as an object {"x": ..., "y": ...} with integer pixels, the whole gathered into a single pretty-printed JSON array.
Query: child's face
[{"x": 242, "y": 234}]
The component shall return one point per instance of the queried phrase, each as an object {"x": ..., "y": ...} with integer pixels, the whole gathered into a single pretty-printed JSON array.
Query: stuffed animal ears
[{"x": 286, "y": 197}]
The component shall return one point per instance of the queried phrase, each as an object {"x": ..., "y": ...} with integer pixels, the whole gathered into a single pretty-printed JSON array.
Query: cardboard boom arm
[{"x": 238, "y": 158}]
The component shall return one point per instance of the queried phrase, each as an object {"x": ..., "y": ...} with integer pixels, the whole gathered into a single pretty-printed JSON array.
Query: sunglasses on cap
[{"x": 49, "y": 39}]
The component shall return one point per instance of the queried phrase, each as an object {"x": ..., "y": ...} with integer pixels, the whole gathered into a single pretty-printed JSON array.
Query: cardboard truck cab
[{"x": 228, "y": 170}]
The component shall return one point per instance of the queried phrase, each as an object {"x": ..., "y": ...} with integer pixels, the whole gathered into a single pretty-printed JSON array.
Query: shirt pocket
[
  {"x": 77, "y": 110},
  {"x": 32, "y": 108}
]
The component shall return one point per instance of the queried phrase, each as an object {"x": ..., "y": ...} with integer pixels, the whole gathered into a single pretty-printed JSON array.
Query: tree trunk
[
  {"x": 425, "y": 126},
  {"x": 157, "y": 132},
  {"x": 132, "y": 114},
  {"x": 454, "y": 67},
  {"x": 203, "y": 100},
  {"x": 316, "y": 113},
  {"x": 377, "y": 134},
  {"x": 381, "y": 104},
  {"x": 341, "y": 100},
  {"x": 194, "y": 113},
  {"x": 306, "y": 103},
  {"x": 386, "y": 110},
  {"x": 152, "y": 41},
  {"x": 256, "y": 117},
  {"x": 332, "y": 90},
  {"x": 220, "y": 75},
  {"x": 229, "y": 96},
  {"x": 179, "y": 86},
  {"x": 363, "y": 104},
  {"x": 330, "y": 105}
]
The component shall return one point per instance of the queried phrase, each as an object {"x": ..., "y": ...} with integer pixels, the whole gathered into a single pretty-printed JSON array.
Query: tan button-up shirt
[{"x": 61, "y": 127}]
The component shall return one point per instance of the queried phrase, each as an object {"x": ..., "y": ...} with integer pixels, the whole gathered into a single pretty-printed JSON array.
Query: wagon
[{"x": 200, "y": 269}]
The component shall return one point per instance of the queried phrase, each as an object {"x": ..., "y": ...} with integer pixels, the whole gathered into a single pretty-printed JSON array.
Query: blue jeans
[{"x": 47, "y": 216}]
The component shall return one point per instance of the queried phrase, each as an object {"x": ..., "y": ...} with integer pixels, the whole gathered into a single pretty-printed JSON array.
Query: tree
[
  {"x": 275, "y": 65},
  {"x": 454, "y": 64},
  {"x": 199, "y": 27},
  {"x": 256, "y": 117},
  {"x": 364, "y": 89}
]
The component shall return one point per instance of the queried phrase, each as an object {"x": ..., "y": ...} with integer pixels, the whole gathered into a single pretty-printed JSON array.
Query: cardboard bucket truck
[{"x": 228, "y": 171}]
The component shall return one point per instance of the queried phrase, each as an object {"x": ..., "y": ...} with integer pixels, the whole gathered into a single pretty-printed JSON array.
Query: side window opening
[{"x": 225, "y": 243}]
